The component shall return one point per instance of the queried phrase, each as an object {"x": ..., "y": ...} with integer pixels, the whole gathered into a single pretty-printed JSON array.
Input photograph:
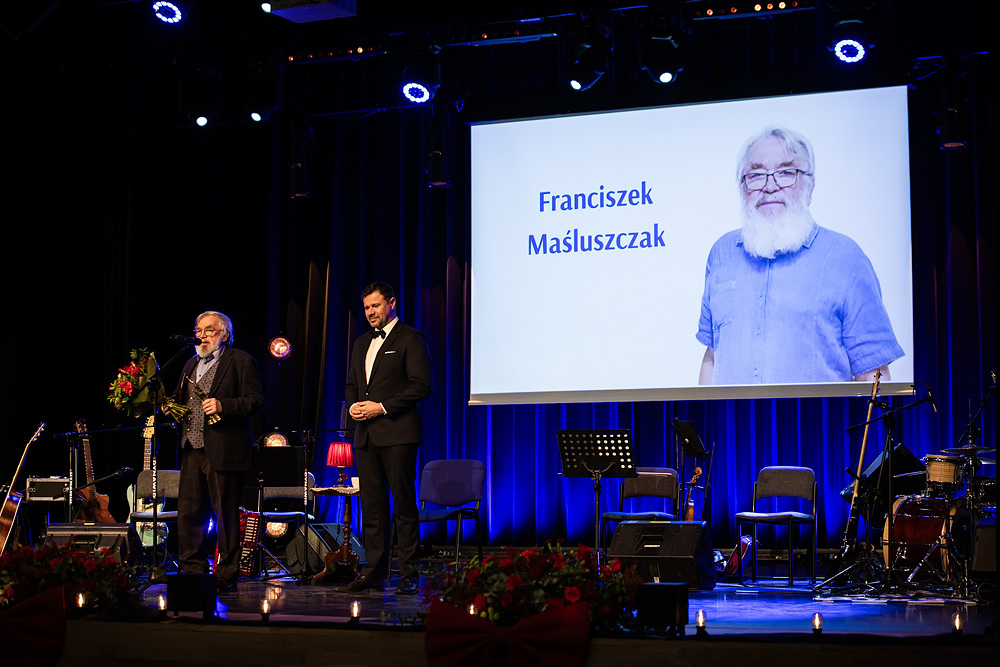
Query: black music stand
[
  {"x": 686, "y": 443},
  {"x": 597, "y": 454}
]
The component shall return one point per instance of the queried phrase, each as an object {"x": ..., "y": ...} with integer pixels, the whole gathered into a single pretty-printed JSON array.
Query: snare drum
[
  {"x": 943, "y": 469},
  {"x": 918, "y": 523}
]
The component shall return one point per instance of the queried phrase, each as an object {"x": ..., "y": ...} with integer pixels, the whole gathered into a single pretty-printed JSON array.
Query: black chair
[
  {"x": 781, "y": 482},
  {"x": 651, "y": 483},
  {"x": 141, "y": 516},
  {"x": 453, "y": 485}
]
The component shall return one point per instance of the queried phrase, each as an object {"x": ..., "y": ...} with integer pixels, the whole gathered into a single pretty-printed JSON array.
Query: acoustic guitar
[
  {"x": 12, "y": 499},
  {"x": 91, "y": 506}
]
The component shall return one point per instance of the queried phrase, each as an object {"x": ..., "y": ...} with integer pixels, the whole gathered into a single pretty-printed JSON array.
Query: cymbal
[
  {"x": 969, "y": 450},
  {"x": 985, "y": 462}
]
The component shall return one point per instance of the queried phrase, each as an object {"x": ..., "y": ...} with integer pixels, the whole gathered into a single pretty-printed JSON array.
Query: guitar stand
[{"x": 868, "y": 573}]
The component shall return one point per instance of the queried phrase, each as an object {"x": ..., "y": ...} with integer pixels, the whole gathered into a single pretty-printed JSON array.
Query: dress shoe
[
  {"x": 362, "y": 583},
  {"x": 408, "y": 585}
]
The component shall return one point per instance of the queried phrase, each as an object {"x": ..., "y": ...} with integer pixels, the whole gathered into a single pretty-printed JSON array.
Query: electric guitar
[
  {"x": 92, "y": 507},
  {"x": 142, "y": 504},
  {"x": 12, "y": 499}
]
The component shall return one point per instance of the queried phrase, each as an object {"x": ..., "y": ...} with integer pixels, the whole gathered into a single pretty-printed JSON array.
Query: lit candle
[
  {"x": 956, "y": 623},
  {"x": 817, "y": 623},
  {"x": 355, "y": 609},
  {"x": 472, "y": 609},
  {"x": 265, "y": 610},
  {"x": 80, "y": 600}
]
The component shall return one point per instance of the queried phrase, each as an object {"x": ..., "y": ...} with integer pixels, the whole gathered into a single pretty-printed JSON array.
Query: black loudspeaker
[
  {"x": 984, "y": 551},
  {"x": 667, "y": 551},
  {"x": 191, "y": 592},
  {"x": 904, "y": 484},
  {"x": 305, "y": 553},
  {"x": 119, "y": 538}
]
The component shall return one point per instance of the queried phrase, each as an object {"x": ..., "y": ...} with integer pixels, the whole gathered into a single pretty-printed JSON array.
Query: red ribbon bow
[
  {"x": 556, "y": 637},
  {"x": 32, "y": 632}
]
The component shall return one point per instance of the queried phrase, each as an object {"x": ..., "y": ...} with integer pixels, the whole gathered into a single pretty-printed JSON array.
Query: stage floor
[{"x": 767, "y": 622}]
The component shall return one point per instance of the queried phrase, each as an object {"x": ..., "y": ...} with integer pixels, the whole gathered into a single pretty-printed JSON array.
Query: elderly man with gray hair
[{"x": 786, "y": 300}]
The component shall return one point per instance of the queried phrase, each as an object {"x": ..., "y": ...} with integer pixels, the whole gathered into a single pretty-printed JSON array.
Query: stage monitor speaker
[
  {"x": 667, "y": 551},
  {"x": 984, "y": 550},
  {"x": 904, "y": 463},
  {"x": 192, "y": 592},
  {"x": 119, "y": 538},
  {"x": 305, "y": 554}
]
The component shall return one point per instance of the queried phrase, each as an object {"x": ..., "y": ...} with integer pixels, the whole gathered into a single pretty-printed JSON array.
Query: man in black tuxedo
[
  {"x": 221, "y": 386},
  {"x": 390, "y": 372}
]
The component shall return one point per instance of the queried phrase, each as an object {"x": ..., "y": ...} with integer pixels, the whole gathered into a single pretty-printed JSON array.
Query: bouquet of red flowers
[
  {"x": 104, "y": 583},
  {"x": 130, "y": 378},
  {"x": 519, "y": 584}
]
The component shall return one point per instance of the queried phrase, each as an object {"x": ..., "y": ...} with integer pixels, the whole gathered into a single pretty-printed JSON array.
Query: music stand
[
  {"x": 597, "y": 454},
  {"x": 686, "y": 443}
]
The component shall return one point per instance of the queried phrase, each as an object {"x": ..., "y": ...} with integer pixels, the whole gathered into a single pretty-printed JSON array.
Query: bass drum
[{"x": 918, "y": 524}]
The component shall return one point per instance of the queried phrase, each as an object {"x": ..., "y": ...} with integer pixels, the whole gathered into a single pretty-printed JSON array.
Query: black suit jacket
[
  {"x": 228, "y": 444},
  {"x": 401, "y": 376}
]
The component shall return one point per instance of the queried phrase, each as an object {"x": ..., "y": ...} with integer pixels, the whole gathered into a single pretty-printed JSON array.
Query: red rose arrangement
[
  {"x": 519, "y": 584},
  {"x": 105, "y": 583}
]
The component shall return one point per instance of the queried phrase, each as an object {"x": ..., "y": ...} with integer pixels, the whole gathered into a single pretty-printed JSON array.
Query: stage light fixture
[
  {"x": 661, "y": 55},
  {"x": 275, "y": 439},
  {"x": 849, "y": 41},
  {"x": 201, "y": 121},
  {"x": 168, "y": 12},
  {"x": 590, "y": 59},
  {"x": 280, "y": 348},
  {"x": 421, "y": 81},
  {"x": 265, "y": 7}
]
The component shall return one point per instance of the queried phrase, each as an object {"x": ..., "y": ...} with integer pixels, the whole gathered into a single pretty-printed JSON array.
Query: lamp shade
[{"x": 340, "y": 455}]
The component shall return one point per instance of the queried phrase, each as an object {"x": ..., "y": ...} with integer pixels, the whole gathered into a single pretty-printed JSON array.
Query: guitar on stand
[
  {"x": 689, "y": 504},
  {"x": 91, "y": 506},
  {"x": 146, "y": 531},
  {"x": 12, "y": 499},
  {"x": 847, "y": 560}
]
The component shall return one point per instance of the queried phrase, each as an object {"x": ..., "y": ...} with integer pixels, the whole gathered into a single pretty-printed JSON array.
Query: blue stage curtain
[{"x": 384, "y": 225}]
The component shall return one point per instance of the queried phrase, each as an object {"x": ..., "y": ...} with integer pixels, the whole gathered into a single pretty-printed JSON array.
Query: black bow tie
[
  {"x": 378, "y": 332},
  {"x": 208, "y": 358}
]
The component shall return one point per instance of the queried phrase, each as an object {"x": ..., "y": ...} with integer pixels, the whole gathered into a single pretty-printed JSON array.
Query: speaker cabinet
[
  {"x": 667, "y": 551},
  {"x": 119, "y": 538},
  {"x": 984, "y": 551},
  {"x": 306, "y": 552}
]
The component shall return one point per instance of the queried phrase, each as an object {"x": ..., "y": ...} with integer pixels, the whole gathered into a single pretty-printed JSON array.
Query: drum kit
[{"x": 927, "y": 541}]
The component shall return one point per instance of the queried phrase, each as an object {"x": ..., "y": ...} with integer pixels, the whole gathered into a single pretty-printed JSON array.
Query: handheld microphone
[{"x": 187, "y": 340}]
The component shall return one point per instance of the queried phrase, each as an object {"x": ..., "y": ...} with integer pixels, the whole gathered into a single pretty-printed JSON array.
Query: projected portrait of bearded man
[{"x": 786, "y": 300}]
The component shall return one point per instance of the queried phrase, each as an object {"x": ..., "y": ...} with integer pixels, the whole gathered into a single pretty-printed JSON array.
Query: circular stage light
[
  {"x": 167, "y": 12},
  {"x": 416, "y": 92},
  {"x": 849, "y": 50},
  {"x": 280, "y": 348}
]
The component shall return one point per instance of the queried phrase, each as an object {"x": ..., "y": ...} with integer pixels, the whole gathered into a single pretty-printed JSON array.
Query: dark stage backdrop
[{"x": 118, "y": 232}]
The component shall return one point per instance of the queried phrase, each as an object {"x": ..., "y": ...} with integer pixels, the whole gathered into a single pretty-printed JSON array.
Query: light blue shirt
[{"x": 814, "y": 315}]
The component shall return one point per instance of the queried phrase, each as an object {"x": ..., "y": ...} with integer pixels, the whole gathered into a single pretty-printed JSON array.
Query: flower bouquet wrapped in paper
[{"x": 133, "y": 378}]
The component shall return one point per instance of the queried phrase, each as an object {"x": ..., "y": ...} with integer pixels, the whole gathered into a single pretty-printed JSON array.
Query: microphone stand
[{"x": 156, "y": 388}]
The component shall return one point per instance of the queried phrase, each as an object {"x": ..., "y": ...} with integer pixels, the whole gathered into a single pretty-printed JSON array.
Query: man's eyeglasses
[
  {"x": 783, "y": 178},
  {"x": 205, "y": 333}
]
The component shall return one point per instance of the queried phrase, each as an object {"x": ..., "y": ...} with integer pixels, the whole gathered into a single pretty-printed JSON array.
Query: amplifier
[
  {"x": 46, "y": 489},
  {"x": 119, "y": 538}
]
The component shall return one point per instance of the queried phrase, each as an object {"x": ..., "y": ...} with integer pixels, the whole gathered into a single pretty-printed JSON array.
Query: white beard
[
  {"x": 767, "y": 236},
  {"x": 212, "y": 347}
]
